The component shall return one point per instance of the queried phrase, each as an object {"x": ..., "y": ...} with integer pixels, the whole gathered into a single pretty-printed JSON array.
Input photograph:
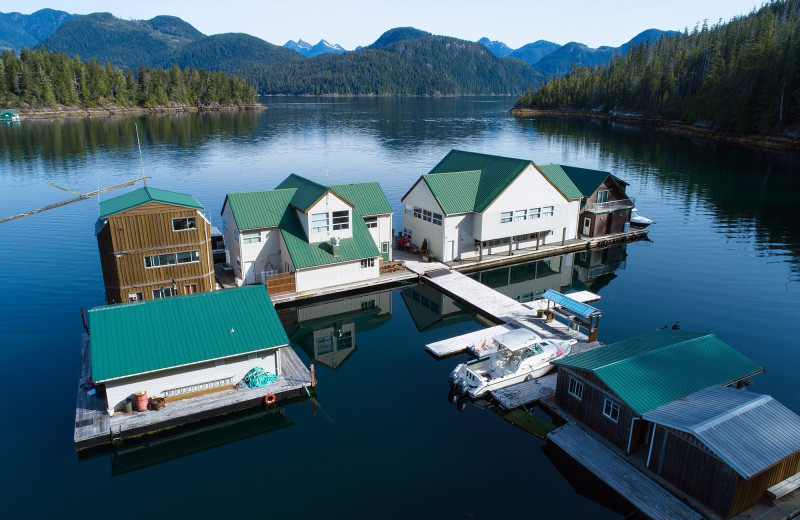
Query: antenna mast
[{"x": 141, "y": 161}]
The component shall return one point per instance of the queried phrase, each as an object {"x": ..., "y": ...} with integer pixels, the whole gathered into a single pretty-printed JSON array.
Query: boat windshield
[{"x": 513, "y": 359}]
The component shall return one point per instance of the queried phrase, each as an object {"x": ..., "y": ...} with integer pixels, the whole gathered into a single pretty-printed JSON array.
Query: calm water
[{"x": 385, "y": 442}]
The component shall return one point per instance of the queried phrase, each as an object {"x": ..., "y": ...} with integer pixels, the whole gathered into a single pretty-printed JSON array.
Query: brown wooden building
[
  {"x": 154, "y": 244},
  {"x": 605, "y": 208},
  {"x": 724, "y": 447}
]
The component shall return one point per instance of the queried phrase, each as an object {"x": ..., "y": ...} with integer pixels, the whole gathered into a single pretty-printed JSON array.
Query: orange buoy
[{"x": 270, "y": 399}]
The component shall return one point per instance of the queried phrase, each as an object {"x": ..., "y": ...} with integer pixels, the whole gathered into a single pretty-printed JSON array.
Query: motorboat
[
  {"x": 640, "y": 220},
  {"x": 520, "y": 355}
]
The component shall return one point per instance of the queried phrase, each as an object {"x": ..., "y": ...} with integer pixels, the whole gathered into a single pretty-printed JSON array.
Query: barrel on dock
[
  {"x": 141, "y": 401},
  {"x": 128, "y": 406}
]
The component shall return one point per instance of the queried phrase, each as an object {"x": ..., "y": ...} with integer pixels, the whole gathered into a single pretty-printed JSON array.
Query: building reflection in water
[{"x": 326, "y": 331}]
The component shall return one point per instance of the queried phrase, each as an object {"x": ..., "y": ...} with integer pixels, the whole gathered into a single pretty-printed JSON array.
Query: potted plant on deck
[{"x": 431, "y": 257}]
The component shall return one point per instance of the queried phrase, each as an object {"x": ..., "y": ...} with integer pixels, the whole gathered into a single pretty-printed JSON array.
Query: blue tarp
[{"x": 577, "y": 308}]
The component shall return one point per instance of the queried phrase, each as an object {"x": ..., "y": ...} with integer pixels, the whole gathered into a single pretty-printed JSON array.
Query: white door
[
  {"x": 587, "y": 225},
  {"x": 451, "y": 250},
  {"x": 249, "y": 273}
]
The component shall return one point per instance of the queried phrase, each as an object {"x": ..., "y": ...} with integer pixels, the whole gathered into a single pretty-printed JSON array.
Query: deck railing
[{"x": 611, "y": 205}]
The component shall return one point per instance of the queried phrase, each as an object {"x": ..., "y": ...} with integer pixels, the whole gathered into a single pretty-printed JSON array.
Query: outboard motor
[
  {"x": 462, "y": 387},
  {"x": 454, "y": 377}
]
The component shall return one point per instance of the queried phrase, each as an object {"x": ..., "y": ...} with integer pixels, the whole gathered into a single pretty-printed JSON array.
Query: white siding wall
[
  {"x": 459, "y": 228},
  {"x": 328, "y": 204},
  {"x": 530, "y": 190},
  {"x": 157, "y": 383},
  {"x": 232, "y": 240},
  {"x": 263, "y": 254},
  {"x": 383, "y": 233},
  {"x": 422, "y": 197},
  {"x": 335, "y": 274}
]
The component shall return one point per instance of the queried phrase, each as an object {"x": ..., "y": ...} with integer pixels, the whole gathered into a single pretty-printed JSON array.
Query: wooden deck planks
[
  {"x": 635, "y": 486},
  {"x": 525, "y": 393},
  {"x": 94, "y": 427},
  {"x": 458, "y": 344}
]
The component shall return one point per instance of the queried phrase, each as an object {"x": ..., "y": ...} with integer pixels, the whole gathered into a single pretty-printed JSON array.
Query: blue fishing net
[{"x": 258, "y": 377}]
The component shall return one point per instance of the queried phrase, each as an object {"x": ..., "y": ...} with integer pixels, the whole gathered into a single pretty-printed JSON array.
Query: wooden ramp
[
  {"x": 498, "y": 307},
  {"x": 525, "y": 393},
  {"x": 650, "y": 498}
]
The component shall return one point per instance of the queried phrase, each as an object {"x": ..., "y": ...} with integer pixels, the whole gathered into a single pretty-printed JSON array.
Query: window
[
  {"x": 409, "y": 210},
  {"x": 602, "y": 196},
  {"x": 547, "y": 211},
  {"x": 319, "y": 222},
  {"x": 369, "y": 304},
  {"x": 190, "y": 288},
  {"x": 437, "y": 219},
  {"x": 406, "y": 232},
  {"x": 575, "y": 388},
  {"x": 520, "y": 214},
  {"x": 251, "y": 237},
  {"x": 325, "y": 345},
  {"x": 611, "y": 409},
  {"x": 188, "y": 257},
  {"x": 367, "y": 262},
  {"x": 417, "y": 212},
  {"x": 534, "y": 213},
  {"x": 384, "y": 247},
  {"x": 183, "y": 224},
  {"x": 426, "y": 215},
  {"x": 164, "y": 292},
  {"x": 341, "y": 219},
  {"x": 135, "y": 297},
  {"x": 344, "y": 340},
  {"x": 371, "y": 222},
  {"x": 506, "y": 216}
]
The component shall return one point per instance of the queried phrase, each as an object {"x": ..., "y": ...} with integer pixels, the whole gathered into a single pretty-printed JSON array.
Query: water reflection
[
  {"x": 431, "y": 309},
  {"x": 214, "y": 433},
  {"x": 594, "y": 269},
  {"x": 327, "y": 331}
]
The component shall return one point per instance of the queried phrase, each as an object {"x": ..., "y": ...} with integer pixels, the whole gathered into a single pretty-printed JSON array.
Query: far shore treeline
[
  {"x": 36, "y": 78},
  {"x": 741, "y": 76}
]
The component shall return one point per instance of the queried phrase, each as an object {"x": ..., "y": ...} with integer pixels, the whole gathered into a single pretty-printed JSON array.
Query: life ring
[{"x": 270, "y": 399}]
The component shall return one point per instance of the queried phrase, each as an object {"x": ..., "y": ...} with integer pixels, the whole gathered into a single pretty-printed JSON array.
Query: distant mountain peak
[
  {"x": 310, "y": 51},
  {"x": 497, "y": 48}
]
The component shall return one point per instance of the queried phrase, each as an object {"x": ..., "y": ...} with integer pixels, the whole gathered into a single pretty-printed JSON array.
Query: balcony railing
[{"x": 611, "y": 205}]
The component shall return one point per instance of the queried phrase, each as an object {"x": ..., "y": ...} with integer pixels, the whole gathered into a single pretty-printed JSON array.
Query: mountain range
[{"x": 403, "y": 61}]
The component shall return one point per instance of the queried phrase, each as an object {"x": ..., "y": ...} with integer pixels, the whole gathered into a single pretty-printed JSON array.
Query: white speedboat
[
  {"x": 639, "y": 220},
  {"x": 521, "y": 355}
]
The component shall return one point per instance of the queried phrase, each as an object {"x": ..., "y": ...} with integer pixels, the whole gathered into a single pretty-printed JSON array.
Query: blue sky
[{"x": 360, "y": 22}]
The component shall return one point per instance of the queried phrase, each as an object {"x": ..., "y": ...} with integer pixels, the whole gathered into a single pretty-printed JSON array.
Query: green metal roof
[
  {"x": 560, "y": 180},
  {"x": 587, "y": 181},
  {"x": 143, "y": 196},
  {"x": 497, "y": 173},
  {"x": 308, "y": 192},
  {"x": 660, "y": 367},
  {"x": 305, "y": 254},
  {"x": 259, "y": 209},
  {"x": 142, "y": 337},
  {"x": 367, "y": 198},
  {"x": 456, "y": 192}
]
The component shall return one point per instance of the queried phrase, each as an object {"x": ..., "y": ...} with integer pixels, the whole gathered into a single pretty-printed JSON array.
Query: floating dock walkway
[
  {"x": 94, "y": 428},
  {"x": 510, "y": 313},
  {"x": 646, "y": 495}
]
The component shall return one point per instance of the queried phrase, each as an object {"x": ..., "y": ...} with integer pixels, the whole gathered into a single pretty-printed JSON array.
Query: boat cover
[{"x": 577, "y": 308}]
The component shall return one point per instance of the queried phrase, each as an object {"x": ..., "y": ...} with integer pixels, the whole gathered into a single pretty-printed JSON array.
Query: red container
[{"x": 141, "y": 401}]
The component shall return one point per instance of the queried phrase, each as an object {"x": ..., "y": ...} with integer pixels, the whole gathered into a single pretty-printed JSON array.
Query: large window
[
  {"x": 426, "y": 215},
  {"x": 506, "y": 216},
  {"x": 371, "y": 222},
  {"x": 409, "y": 210},
  {"x": 367, "y": 262},
  {"x": 520, "y": 214},
  {"x": 184, "y": 257},
  {"x": 319, "y": 222},
  {"x": 437, "y": 219},
  {"x": 611, "y": 409},
  {"x": 251, "y": 237},
  {"x": 182, "y": 224},
  {"x": 534, "y": 213},
  {"x": 341, "y": 219},
  {"x": 575, "y": 388},
  {"x": 547, "y": 211},
  {"x": 407, "y": 233},
  {"x": 602, "y": 196},
  {"x": 417, "y": 212}
]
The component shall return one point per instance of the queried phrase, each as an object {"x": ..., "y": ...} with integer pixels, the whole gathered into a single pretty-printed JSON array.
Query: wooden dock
[
  {"x": 646, "y": 495},
  {"x": 525, "y": 393},
  {"x": 458, "y": 344},
  {"x": 95, "y": 428}
]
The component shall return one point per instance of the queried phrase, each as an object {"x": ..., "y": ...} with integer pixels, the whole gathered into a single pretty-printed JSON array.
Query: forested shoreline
[
  {"x": 741, "y": 76},
  {"x": 39, "y": 80}
]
